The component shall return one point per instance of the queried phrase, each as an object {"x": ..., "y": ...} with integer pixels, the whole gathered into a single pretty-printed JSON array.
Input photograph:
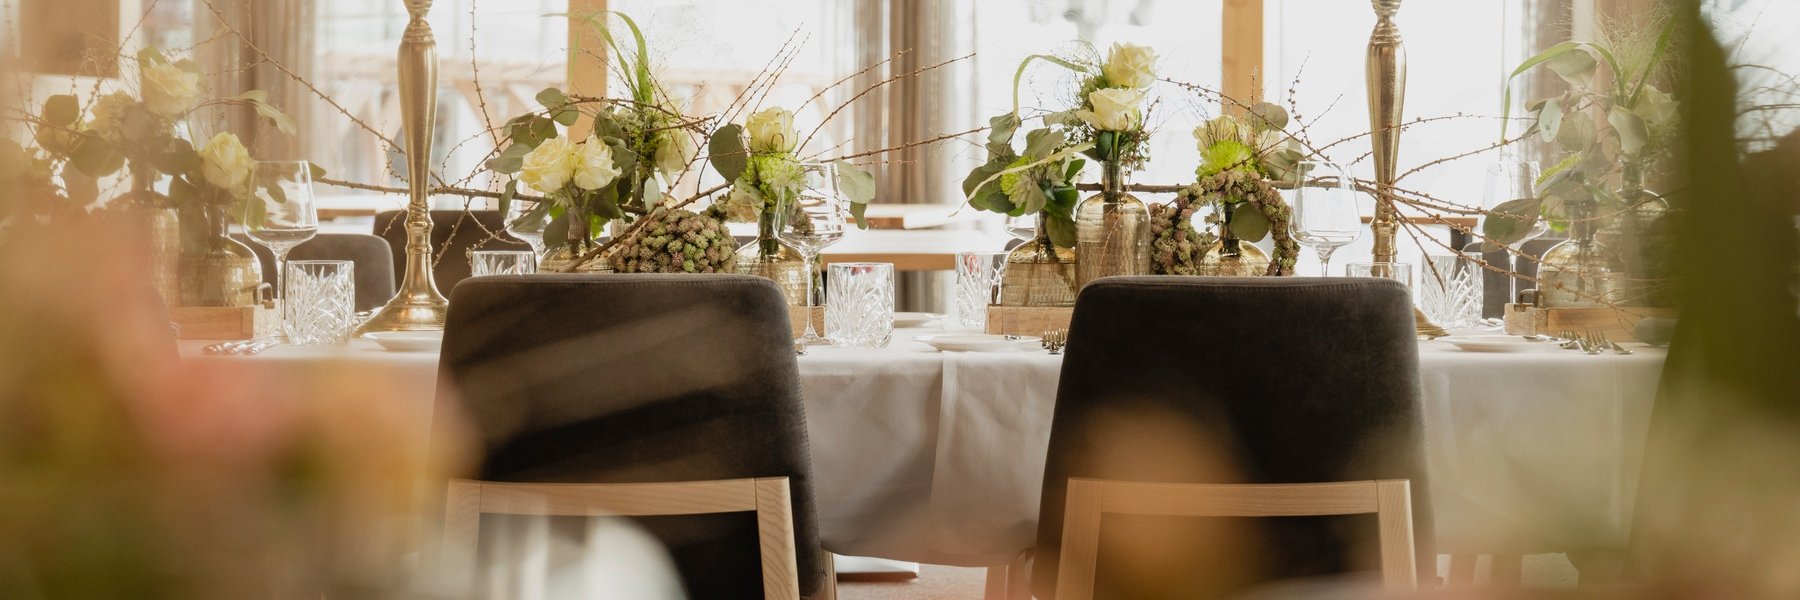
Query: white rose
[
  {"x": 1130, "y": 65},
  {"x": 675, "y": 152},
  {"x": 550, "y": 165},
  {"x": 169, "y": 90},
  {"x": 772, "y": 130},
  {"x": 226, "y": 163},
  {"x": 594, "y": 168},
  {"x": 1115, "y": 109}
]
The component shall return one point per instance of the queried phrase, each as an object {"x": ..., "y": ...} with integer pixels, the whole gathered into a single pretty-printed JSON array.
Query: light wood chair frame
[
  {"x": 1088, "y": 499},
  {"x": 768, "y": 497}
]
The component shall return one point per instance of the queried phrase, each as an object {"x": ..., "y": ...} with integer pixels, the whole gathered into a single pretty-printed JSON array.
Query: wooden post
[
  {"x": 1241, "y": 49},
  {"x": 587, "y": 57}
]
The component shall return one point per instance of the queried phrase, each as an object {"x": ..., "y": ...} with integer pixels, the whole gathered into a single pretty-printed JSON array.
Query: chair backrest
[
  {"x": 463, "y": 230},
  {"x": 1236, "y": 380},
  {"x": 373, "y": 260},
  {"x": 1090, "y": 499},
  {"x": 614, "y": 378},
  {"x": 768, "y": 498}
]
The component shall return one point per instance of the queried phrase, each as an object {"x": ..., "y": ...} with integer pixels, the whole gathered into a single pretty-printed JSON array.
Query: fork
[
  {"x": 1054, "y": 340},
  {"x": 1603, "y": 342},
  {"x": 1593, "y": 342}
]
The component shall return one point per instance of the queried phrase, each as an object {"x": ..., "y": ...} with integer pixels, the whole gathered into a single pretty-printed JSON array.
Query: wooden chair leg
[
  {"x": 1018, "y": 577},
  {"x": 829, "y": 591},
  {"x": 1462, "y": 569},
  {"x": 995, "y": 589}
]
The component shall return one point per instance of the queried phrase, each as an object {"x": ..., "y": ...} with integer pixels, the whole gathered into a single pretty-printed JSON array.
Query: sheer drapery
[{"x": 283, "y": 31}]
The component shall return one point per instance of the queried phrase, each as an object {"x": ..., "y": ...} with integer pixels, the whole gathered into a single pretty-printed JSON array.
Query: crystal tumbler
[
  {"x": 978, "y": 276},
  {"x": 859, "y": 307},
  {"x": 320, "y": 302}
]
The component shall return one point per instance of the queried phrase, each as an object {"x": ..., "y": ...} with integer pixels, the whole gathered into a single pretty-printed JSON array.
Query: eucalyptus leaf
[
  {"x": 1634, "y": 135},
  {"x": 727, "y": 153},
  {"x": 61, "y": 110},
  {"x": 511, "y": 160},
  {"x": 1041, "y": 143},
  {"x": 178, "y": 156},
  {"x": 552, "y": 98},
  {"x": 1031, "y": 199},
  {"x": 1062, "y": 231},
  {"x": 1509, "y": 222},
  {"x": 1575, "y": 67},
  {"x": 1576, "y": 132},
  {"x": 984, "y": 173},
  {"x": 1001, "y": 129},
  {"x": 1269, "y": 116},
  {"x": 507, "y": 196},
  {"x": 856, "y": 184},
  {"x": 1550, "y": 119},
  {"x": 97, "y": 157},
  {"x": 1249, "y": 224},
  {"x": 556, "y": 232},
  {"x": 318, "y": 172}
]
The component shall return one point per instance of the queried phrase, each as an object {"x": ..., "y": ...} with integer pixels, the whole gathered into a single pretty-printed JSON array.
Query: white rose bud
[
  {"x": 226, "y": 163},
  {"x": 594, "y": 168},
  {"x": 1130, "y": 65},
  {"x": 772, "y": 130},
  {"x": 169, "y": 90},
  {"x": 549, "y": 166},
  {"x": 675, "y": 152},
  {"x": 1115, "y": 109}
]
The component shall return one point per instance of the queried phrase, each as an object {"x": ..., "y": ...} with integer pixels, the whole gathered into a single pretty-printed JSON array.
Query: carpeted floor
[{"x": 954, "y": 583}]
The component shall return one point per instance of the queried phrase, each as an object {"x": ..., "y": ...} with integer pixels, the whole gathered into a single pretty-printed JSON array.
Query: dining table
[{"x": 937, "y": 457}]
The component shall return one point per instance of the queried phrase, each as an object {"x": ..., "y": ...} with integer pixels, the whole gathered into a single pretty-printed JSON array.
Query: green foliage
[
  {"x": 259, "y": 100},
  {"x": 727, "y": 152}
]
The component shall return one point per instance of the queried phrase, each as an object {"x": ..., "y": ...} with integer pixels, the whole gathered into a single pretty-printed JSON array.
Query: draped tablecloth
[{"x": 938, "y": 457}]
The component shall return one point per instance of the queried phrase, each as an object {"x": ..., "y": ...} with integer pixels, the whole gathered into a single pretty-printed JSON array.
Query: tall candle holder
[
  {"x": 1387, "y": 103},
  {"x": 418, "y": 306}
]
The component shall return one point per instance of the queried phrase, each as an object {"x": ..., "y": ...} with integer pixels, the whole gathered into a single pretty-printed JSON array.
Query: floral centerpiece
[
  {"x": 637, "y": 148},
  {"x": 1241, "y": 160},
  {"x": 1112, "y": 228},
  {"x": 1610, "y": 134},
  {"x": 761, "y": 160}
]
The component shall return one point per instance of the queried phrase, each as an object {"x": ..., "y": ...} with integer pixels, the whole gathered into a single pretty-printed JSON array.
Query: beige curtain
[{"x": 284, "y": 30}]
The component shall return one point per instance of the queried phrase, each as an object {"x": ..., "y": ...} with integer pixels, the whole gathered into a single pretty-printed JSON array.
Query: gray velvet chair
[
  {"x": 462, "y": 230},
  {"x": 1234, "y": 380},
  {"x": 617, "y": 378},
  {"x": 373, "y": 259}
]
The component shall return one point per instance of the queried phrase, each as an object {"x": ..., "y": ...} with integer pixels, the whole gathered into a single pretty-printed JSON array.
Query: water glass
[
  {"x": 281, "y": 213},
  {"x": 1401, "y": 272},
  {"x": 859, "y": 309},
  {"x": 810, "y": 223},
  {"x": 320, "y": 302},
  {"x": 1325, "y": 214},
  {"x": 1450, "y": 290},
  {"x": 978, "y": 276},
  {"x": 502, "y": 262}
]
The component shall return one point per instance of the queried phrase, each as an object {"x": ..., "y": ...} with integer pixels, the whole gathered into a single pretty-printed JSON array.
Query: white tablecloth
[{"x": 938, "y": 457}]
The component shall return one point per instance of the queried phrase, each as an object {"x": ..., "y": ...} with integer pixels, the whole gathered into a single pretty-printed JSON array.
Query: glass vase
[
  {"x": 1581, "y": 271},
  {"x": 217, "y": 271},
  {"x": 557, "y": 258},
  {"x": 766, "y": 257},
  {"x": 149, "y": 212},
  {"x": 1640, "y": 235},
  {"x": 1112, "y": 231},
  {"x": 1230, "y": 256},
  {"x": 1039, "y": 273}
]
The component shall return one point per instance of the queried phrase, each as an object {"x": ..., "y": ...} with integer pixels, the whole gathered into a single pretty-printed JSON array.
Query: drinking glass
[
  {"x": 1022, "y": 227},
  {"x": 320, "y": 304},
  {"x": 526, "y": 220},
  {"x": 809, "y": 224},
  {"x": 1325, "y": 216},
  {"x": 1401, "y": 272},
  {"x": 281, "y": 214},
  {"x": 1507, "y": 180},
  {"x": 502, "y": 262},
  {"x": 1451, "y": 290},
  {"x": 859, "y": 311},
  {"x": 978, "y": 277}
]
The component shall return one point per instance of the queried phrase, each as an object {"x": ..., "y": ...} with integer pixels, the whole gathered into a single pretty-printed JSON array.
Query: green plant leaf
[
  {"x": 511, "y": 160},
  {"x": 1249, "y": 224},
  {"x": 177, "y": 156},
  {"x": 1576, "y": 132},
  {"x": 506, "y": 197},
  {"x": 856, "y": 184},
  {"x": 317, "y": 171},
  {"x": 1269, "y": 116},
  {"x": 727, "y": 153},
  {"x": 1575, "y": 67},
  {"x": 1550, "y": 118},
  {"x": 1041, "y": 143},
  {"x": 1634, "y": 135},
  {"x": 1001, "y": 129},
  {"x": 1062, "y": 231},
  {"x": 1508, "y": 222},
  {"x": 556, "y": 232},
  {"x": 1019, "y": 75},
  {"x": 259, "y": 100},
  {"x": 552, "y": 98},
  {"x": 96, "y": 157}
]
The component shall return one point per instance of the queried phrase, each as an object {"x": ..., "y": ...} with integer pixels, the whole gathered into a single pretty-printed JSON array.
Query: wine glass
[
  {"x": 1510, "y": 179},
  {"x": 1325, "y": 212},
  {"x": 811, "y": 222},
  {"x": 1022, "y": 227},
  {"x": 526, "y": 220},
  {"x": 282, "y": 213}
]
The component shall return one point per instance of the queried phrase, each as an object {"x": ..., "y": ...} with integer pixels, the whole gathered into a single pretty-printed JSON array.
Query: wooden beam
[
  {"x": 1241, "y": 52},
  {"x": 587, "y": 57}
]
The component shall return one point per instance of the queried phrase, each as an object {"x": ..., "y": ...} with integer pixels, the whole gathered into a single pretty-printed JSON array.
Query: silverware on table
[
  {"x": 1617, "y": 349},
  {"x": 237, "y": 347},
  {"x": 1055, "y": 339},
  {"x": 1591, "y": 342}
]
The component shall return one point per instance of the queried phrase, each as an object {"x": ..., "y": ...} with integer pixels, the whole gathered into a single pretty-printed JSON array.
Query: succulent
[
  {"x": 680, "y": 241},
  {"x": 1176, "y": 247}
]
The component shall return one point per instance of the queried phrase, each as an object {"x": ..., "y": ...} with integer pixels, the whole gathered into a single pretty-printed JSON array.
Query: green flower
[
  {"x": 1010, "y": 182},
  {"x": 1226, "y": 155}
]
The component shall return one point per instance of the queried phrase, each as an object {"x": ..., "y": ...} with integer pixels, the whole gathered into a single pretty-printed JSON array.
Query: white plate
[
  {"x": 408, "y": 341},
  {"x": 1495, "y": 343},
  {"x": 915, "y": 319},
  {"x": 977, "y": 342}
]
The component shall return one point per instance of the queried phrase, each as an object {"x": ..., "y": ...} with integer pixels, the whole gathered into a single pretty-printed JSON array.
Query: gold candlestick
[
  {"x": 1387, "y": 101},
  {"x": 418, "y": 306}
]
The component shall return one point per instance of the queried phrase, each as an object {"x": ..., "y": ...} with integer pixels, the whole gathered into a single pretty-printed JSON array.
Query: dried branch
[{"x": 872, "y": 88}]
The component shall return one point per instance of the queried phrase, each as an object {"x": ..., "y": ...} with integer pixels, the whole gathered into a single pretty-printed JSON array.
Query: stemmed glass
[
  {"x": 1510, "y": 179},
  {"x": 526, "y": 221},
  {"x": 282, "y": 213},
  {"x": 1326, "y": 215},
  {"x": 1023, "y": 227},
  {"x": 810, "y": 223}
]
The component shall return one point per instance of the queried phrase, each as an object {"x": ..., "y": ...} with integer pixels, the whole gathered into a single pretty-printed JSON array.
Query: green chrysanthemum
[
  {"x": 1011, "y": 181},
  {"x": 1226, "y": 155}
]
